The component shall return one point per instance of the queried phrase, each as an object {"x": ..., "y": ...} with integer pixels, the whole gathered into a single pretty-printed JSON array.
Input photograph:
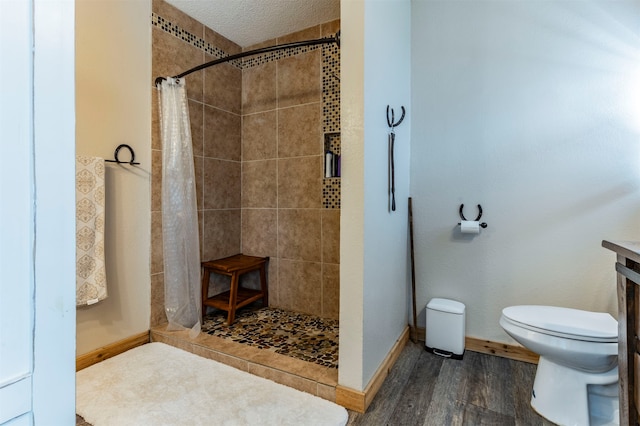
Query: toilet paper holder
[{"x": 482, "y": 225}]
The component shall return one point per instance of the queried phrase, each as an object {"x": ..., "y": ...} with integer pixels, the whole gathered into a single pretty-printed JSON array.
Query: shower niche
[{"x": 332, "y": 171}]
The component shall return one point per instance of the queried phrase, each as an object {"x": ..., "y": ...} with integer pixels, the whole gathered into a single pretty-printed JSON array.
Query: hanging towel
[{"x": 91, "y": 280}]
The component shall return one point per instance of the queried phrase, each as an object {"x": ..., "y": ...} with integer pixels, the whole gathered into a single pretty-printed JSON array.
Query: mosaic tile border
[
  {"x": 257, "y": 60},
  {"x": 195, "y": 41},
  {"x": 331, "y": 88},
  {"x": 244, "y": 63},
  {"x": 331, "y": 187},
  {"x": 331, "y": 192}
]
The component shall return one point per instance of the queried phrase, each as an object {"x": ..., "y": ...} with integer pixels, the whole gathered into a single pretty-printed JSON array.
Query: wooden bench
[{"x": 234, "y": 266}]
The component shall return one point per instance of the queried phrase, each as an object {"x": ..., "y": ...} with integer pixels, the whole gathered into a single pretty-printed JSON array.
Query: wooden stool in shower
[{"x": 237, "y": 296}]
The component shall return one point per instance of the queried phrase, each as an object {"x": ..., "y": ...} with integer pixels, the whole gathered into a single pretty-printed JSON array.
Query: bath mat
[
  {"x": 293, "y": 334},
  {"x": 157, "y": 384}
]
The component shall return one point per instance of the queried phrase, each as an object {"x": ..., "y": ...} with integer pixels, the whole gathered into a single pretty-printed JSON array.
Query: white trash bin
[{"x": 445, "y": 328}]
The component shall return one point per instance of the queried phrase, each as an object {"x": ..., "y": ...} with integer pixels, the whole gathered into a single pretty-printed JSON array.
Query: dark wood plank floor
[{"x": 425, "y": 389}]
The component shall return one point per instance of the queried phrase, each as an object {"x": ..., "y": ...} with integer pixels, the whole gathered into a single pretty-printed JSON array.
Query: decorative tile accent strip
[
  {"x": 195, "y": 41},
  {"x": 301, "y": 336},
  {"x": 331, "y": 88},
  {"x": 331, "y": 193},
  {"x": 331, "y": 119},
  {"x": 254, "y": 61},
  {"x": 218, "y": 53}
]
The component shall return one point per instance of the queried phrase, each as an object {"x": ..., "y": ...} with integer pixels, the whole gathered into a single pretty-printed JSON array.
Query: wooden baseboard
[
  {"x": 503, "y": 350},
  {"x": 94, "y": 357},
  {"x": 359, "y": 400}
]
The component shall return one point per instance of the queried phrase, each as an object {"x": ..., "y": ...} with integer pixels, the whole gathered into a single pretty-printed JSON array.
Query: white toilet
[{"x": 577, "y": 377}]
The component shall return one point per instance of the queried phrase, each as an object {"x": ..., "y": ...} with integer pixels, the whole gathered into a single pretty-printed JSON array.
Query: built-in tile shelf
[{"x": 331, "y": 185}]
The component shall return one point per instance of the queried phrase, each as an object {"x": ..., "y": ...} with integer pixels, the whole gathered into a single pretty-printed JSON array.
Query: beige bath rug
[{"x": 157, "y": 384}]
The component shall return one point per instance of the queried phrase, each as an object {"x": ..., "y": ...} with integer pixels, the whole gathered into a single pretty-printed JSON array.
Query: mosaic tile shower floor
[{"x": 305, "y": 337}]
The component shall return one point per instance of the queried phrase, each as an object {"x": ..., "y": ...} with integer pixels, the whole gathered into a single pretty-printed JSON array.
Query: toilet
[{"x": 577, "y": 377}]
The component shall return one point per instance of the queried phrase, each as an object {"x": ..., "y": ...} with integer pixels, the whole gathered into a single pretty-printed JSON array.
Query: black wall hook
[
  {"x": 391, "y": 118},
  {"x": 483, "y": 225},
  {"x": 391, "y": 121},
  {"x": 117, "y": 151}
]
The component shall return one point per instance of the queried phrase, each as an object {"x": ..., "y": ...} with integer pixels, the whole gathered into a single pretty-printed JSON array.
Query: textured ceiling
[{"x": 248, "y": 22}]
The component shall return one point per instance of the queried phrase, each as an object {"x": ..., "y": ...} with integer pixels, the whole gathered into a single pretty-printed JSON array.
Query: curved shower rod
[{"x": 333, "y": 39}]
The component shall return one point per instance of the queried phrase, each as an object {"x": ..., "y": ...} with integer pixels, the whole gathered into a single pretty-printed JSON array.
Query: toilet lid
[{"x": 573, "y": 323}]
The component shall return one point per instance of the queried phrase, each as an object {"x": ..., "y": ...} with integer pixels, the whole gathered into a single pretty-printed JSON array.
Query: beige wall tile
[
  {"x": 259, "y": 136},
  {"x": 259, "y": 232},
  {"x": 156, "y": 180},
  {"x": 221, "y": 42},
  {"x": 299, "y": 234},
  {"x": 171, "y": 14},
  {"x": 221, "y": 233},
  {"x": 196, "y": 119},
  {"x": 201, "y": 233},
  {"x": 221, "y": 184},
  {"x": 259, "y": 88},
  {"x": 171, "y": 56},
  {"x": 259, "y": 184},
  {"x": 300, "y": 79},
  {"x": 302, "y": 35},
  {"x": 330, "y": 28},
  {"x": 222, "y": 134},
  {"x": 300, "y": 131},
  {"x": 223, "y": 86},
  {"x": 300, "y": 182},
  {"x": 331, "y": 236},
  {"x": 330, "y": 291},
  {"x": 158, "y": 315},
  {"x": 198, "y": 171},
  {"x": 300, "y": 286},
  {"x": 266, "y": 43},
  {"x": 157, "y": 261},
  {"x": 156, "y": 141},
  {"x": 272, "y": 282}
]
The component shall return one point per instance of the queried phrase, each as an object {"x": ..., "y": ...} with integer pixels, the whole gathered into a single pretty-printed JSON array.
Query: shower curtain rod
[{"x": 326, "y": 40}]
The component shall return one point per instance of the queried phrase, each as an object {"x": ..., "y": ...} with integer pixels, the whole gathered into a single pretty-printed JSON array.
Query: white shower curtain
[{"x": 179, "y": 211}]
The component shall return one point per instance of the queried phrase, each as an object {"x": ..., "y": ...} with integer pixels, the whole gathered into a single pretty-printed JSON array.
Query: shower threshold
[{"x": 267, "y": 342}]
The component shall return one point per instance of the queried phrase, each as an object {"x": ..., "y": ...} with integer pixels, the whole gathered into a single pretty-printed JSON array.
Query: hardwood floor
[{"x": 425, "y": 389}]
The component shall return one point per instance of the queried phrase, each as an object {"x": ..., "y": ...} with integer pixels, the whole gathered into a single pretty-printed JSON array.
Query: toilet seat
[{"x": 564, "y": 322}]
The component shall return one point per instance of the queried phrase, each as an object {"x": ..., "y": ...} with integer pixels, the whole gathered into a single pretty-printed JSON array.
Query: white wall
[
  {"x": 531, "y": 109},
  {"x": 113, "y": 106},
  {"x": 373, "y": 240},
  {"x": 37, "y": 227}
]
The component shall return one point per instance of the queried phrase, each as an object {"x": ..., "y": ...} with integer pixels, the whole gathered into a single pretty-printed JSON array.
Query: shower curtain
[{"x": 181, "y": 244}]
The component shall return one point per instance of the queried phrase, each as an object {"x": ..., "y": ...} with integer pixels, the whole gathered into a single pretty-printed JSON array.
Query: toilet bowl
[{"x": 577, "y": 376}]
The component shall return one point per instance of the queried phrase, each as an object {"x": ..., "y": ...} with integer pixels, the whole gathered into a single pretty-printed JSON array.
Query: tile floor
[{"x": 305, "y": 337}]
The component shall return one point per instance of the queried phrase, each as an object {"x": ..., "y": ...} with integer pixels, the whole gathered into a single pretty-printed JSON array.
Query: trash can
[{"x": 445, "y": 328}]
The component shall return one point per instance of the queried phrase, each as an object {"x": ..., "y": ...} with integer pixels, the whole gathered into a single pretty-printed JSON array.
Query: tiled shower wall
[
  {"x": 282, "y": 176},
  {"x": 257, "y": 130}
]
